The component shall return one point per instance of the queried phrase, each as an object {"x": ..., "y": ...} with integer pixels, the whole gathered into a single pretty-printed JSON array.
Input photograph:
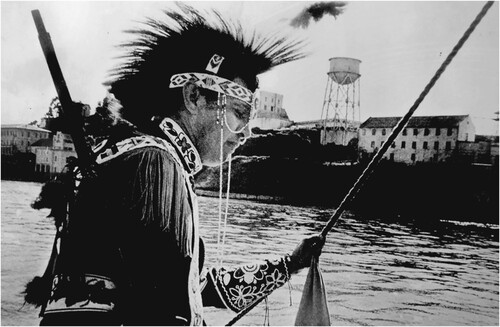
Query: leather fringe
[{"x": 162, "y": 196}]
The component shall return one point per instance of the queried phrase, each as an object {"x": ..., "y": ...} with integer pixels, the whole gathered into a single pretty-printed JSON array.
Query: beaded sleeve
[{"x": 238, "y": 287}]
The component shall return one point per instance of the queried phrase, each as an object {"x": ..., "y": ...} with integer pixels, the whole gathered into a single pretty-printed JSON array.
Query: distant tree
[
  {"x": 33, "y": 123},
  {"x": 54, "y": 108},
  {"x": 52, "y": 119}
]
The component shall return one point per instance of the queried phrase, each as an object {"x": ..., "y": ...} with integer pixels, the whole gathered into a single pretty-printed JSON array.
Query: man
[{"x": 133, "y": 254}]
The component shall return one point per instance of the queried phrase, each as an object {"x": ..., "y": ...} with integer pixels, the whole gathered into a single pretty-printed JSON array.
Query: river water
[{"x": 375, "y": 272}]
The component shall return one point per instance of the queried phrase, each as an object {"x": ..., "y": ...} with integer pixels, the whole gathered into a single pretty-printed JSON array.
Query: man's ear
[{"x": 191, "y": 94}]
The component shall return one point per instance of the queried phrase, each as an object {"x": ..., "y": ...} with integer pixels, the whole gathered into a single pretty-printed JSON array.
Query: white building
[
  {"x": 270, "y": 112},
  {"x": 424, "y": 139},
  {"x": 52, "y": 154},
  {"x": 19, "y": 137}
]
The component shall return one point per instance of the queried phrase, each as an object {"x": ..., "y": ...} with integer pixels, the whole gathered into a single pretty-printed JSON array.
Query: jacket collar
[{"x": 188, "y": 153}]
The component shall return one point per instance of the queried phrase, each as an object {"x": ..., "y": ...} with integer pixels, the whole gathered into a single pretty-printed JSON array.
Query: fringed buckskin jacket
[{"x": 134, "y": 255}]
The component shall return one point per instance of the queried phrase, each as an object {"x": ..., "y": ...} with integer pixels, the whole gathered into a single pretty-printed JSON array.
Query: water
[{"x": 375, "y": 272}]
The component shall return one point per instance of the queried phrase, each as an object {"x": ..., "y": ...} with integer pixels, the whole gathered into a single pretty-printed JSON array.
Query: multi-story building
[
  {"x": 424, "y": 139},
  {"x": 270, "y": 112},
  {"x": 19, "y": 138},
  {"x": 52, "y": 154}
]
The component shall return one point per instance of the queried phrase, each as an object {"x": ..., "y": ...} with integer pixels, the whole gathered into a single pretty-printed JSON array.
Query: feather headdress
[{"x": 185, "y": 42}]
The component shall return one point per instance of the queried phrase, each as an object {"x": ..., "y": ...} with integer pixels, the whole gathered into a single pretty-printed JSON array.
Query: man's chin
[{"x": 213, "y": 163}]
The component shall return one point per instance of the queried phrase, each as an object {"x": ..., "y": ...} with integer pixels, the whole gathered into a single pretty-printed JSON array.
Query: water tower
[{"x": 340, "y": 114}]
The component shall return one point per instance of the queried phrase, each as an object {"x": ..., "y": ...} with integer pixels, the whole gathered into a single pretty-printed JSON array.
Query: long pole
[
  {"x": 399, "y": 127},
  {"x": 402, "y": 123}
]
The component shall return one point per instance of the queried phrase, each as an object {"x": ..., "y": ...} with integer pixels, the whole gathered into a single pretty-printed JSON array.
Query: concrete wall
[
  {"x": 270, "y": 112},
  {"x": 63, "y": 141},
  {"x": 427, "y": 145},
  {"x": 20, "y": 138},
  {"x": 54, "y": 159},
  {"x": 270, "y": 123},
  {"x": 43, "y": 162},
  {"x": 51, "y": 160},
  {"x": 339, "y": 137},
  {"x": 269, "y": 101},
  {"x": 466, "y": 130}
]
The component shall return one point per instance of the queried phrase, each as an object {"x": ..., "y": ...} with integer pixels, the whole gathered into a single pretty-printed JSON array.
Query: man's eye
[{"x": 241, "y": 113}]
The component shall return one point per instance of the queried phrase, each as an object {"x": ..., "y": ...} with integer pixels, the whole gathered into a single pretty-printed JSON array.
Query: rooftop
[
  {"x": 415, "y": 122},
  {"x": 26, "y": 126}
]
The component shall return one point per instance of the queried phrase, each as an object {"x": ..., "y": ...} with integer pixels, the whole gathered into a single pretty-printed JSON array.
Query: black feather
[{"x": 316, "y": 11}]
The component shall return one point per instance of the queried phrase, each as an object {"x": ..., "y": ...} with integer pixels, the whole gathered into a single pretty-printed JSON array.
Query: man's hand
[{"x": 304, "y": 252}]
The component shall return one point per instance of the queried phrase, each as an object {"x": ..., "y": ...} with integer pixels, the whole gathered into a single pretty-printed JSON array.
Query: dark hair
[{"x": 186, "y": 42}]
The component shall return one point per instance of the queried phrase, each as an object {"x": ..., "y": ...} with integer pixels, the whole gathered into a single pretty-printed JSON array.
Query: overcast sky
[{"x": 400, "y": 44}]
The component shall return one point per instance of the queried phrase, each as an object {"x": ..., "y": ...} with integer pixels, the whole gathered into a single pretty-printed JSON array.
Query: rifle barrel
[
  {"x": 72, "y": 117},
  {"x": 52, "y": 62}
]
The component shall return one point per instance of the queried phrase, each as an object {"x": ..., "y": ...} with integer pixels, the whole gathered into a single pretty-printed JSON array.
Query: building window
[
  {"x": 438, "y": 131},
  {"x": 413, "y": 157},
  {"x": 383, "y": 131},
  {"x": 450, "y": 131},
  {"x": 425, "y": 145},
  {"x": 403, "y": 144},
  {"x": 448, "y": 145},
  {"x": 374, "y": 131},
  {"x": 426, "y": 132},
  {"x": 405, "y": 132},
  {"x": 265, "y": 107},
  {"x": 466, "y": 136},
  {"x": 372, "y": 145},
  {"x": 436, "y": 157},
  {"x": 413, "y": 145},
  {"x": 436, "y": 145},
  {"x": 415, "y": 131}
]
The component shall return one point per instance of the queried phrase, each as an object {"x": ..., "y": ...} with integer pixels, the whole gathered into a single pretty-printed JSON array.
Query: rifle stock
[{"x": 70, "y": 114}]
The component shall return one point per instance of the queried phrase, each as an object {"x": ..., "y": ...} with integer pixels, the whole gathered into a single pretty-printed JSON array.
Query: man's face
[{"x": 235, "y": 129}]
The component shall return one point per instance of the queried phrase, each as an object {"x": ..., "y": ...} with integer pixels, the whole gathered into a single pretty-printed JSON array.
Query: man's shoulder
[{"x": 138, "y": 148}]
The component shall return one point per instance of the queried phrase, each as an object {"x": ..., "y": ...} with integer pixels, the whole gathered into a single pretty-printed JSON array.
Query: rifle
[{"x": 70, "y": 113}]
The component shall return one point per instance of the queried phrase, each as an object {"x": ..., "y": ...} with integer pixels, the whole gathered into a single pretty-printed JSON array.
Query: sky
[{"x": 400, "y": 44}]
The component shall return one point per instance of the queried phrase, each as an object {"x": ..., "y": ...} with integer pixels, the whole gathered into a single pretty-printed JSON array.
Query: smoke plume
[{"x": 316, "y": 12}]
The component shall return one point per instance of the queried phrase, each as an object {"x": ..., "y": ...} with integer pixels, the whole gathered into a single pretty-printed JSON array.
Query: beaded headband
[{"x": 214, "y": 83}]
